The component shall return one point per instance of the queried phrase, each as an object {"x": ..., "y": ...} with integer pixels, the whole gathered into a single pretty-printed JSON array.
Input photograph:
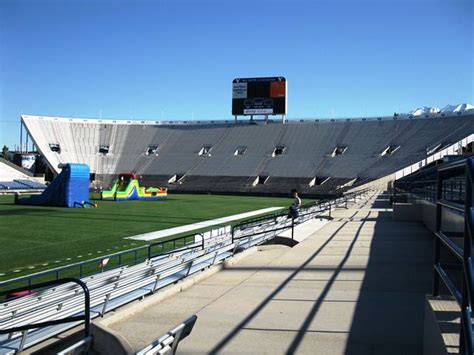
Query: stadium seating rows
[
  {"x": 307, "y": 148},
  {"x": 113, "y": 288},
  {"x": 109, "y": 290},
  {"x": 21, "y": 184},
  {"x": 116, "y": 287},
  {"x": 13, "y": 179}
]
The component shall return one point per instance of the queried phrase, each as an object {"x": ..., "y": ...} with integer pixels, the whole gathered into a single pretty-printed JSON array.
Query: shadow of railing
[{"x": 389, "y": 310}]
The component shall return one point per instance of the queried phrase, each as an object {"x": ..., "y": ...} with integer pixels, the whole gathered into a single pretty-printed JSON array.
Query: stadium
[
  {"x": 226, "y": 181},
  {"x": 251, "y": 177},
  {"x": 317, "y": 156}
]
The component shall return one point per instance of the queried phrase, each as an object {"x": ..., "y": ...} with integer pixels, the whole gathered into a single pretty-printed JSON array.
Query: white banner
[
  {"x": 239, "y": 90},
  {"x": 258, "y": 111}
]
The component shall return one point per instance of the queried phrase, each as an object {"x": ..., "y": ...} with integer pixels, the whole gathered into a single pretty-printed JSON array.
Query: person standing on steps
[{"x": 295, "y": 206}]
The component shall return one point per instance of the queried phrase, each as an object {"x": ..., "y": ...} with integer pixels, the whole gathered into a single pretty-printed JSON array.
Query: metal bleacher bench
[
  {"x": 113, "y": 288},
  {"x": 168, "y": 343},
  {"x": 108, "y": 291}
]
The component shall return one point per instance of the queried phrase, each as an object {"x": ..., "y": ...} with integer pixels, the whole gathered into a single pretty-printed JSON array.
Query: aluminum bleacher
[
  {"x": 12, "y": 179},
  {"x": 11, "y": 185},
  {"x": 111, "y": 289},
  {"x": 246, "y": 149},
  {"x": 168, "y": 343},
  {"x": 31, "y": 184},
  {"x": 108, "y": 291}
]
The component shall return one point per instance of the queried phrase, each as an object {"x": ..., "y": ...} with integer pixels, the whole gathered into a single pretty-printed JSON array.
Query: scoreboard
[{"x": 259, "y": 96}]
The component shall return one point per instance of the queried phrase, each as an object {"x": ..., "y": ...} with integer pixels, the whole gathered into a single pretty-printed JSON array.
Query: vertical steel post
[
  {"x": 465, "y": 302},
  {"x": 439, "y": 195},
  {"x": 292, "y": 229}
]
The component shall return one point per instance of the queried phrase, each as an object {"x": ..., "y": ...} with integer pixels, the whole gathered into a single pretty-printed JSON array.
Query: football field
[{"x": 35, "y": 238}]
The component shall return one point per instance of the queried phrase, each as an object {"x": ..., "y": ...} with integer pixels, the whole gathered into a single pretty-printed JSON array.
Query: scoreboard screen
[{"x": 259, "y": 96}]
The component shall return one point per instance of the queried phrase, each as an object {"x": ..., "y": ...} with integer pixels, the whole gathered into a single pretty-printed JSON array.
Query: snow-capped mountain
[
  {"x": 424, "y": 110},
  {"x": 457, "y": 108}
]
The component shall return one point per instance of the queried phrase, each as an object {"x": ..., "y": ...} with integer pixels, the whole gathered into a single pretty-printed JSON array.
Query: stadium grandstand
[
  {"x": 319, "y": 157},
  {"x": 337, "y": 278},
  {"x": 236, "y": 177}
]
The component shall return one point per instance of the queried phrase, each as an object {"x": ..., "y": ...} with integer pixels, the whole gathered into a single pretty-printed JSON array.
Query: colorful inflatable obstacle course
[
  {"x": 69, "y": 189},
  {"x": 127, "y": 187}
]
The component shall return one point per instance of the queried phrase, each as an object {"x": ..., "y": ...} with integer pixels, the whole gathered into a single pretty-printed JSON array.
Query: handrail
[
  {"x": 59, "y": 269},
  {"x": 86, "y": 317},
  {"x": 465, "y": 296},
  {"x": 174, "y": 250},
  {"x": 325, "y": 205},
  {"x": 159, "y": 275},
  {"x": 170, "y": 341}
]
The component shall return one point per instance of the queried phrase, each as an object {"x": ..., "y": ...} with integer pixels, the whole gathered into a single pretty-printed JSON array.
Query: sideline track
[{"x": 203, "y": 224}]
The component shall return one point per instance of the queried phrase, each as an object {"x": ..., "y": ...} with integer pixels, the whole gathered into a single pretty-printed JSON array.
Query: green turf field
[{"x": 34, "y": 238}]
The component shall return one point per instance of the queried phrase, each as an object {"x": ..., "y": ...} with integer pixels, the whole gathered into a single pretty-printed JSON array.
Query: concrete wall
[{"x": 425, "y": 212}]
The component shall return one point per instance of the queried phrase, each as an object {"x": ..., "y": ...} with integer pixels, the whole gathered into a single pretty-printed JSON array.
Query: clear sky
[{"x": 175, "y": 59}]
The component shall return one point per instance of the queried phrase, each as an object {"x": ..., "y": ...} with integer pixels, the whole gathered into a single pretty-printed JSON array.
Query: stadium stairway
[{"x": 351, "y": 288}]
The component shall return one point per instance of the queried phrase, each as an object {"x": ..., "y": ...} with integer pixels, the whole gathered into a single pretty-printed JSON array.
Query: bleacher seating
[
  {"x": 12, "y": 185},
  {"x": 31, "y": 184},
  {"x": 308, "y": 148},
  {"x": 14, "y": 179},
  {"x": 108, "y": 290},
  {"x": 116, "y": 287}
]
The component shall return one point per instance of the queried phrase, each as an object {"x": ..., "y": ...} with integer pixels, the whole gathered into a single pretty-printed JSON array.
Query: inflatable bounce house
[
  {"x": 126, "y": 187},
  {"x": 69, "y": 189}
]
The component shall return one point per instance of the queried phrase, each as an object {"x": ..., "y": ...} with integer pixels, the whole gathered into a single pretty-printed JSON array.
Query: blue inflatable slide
[{"x": 69, "y": 189}]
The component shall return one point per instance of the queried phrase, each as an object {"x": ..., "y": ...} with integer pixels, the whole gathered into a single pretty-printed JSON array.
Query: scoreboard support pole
[{"x": 283, "y": 119}]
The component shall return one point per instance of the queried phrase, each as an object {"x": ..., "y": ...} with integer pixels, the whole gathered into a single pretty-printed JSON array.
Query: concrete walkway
[{"x": 356, "y": 286}]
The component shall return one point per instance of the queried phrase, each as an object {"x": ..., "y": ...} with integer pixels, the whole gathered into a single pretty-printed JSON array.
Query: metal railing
[
  {"x": 86, "y": 316},
  {"x": 140, "y": 254},
  {"x": 280, "y": 221},
  {"x": 168, "y": 343},
  {"x": 118, "y": 286},
  {"x": 178, "y": 244},
  {"x": 80, "y": 269},
  {"x": 462, "y": 253},
  {"x": 108, "y": 291},
  {"x": 423, "y": 184}
]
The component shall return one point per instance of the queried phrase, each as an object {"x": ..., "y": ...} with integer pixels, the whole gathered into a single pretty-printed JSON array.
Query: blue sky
[{"x": 175, "y": 59}]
